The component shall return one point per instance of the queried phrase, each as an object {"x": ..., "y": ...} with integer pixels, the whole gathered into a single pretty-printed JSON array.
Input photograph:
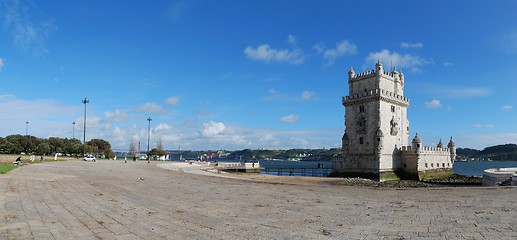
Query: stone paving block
[
  {"x": 110, "y": 200},
  {"x": 131, "y": 237}
]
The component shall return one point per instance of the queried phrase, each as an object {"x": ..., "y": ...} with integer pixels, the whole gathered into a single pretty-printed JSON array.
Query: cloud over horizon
[
  {"x": 433, "y": 104},
  {"x": 268, "y": 54},
  {"x": 28, "y": 30},
  {"x": 407, "y": 61},
  {"x": 411, "y": 45},
  {"x": 291, "y": 118},
  {"x": 341, "y": 49}
]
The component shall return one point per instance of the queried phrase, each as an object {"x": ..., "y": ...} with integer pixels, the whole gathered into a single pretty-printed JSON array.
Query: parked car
[{"x": 89, "y": 158}]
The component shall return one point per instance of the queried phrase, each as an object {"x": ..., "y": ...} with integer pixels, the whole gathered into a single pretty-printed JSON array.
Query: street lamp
[
  {"x": 84, "y": 101},
  {"x": 27, "y": 128},
  {"x": 73, "y": 130},
  {"x": 148, "y": 137}
]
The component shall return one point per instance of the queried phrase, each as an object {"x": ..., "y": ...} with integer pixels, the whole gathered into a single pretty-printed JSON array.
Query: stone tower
[{"x": 376, "y": 124}]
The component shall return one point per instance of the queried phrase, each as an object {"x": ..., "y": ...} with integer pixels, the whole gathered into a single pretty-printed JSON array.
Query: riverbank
[{"x": 202, "y": 169}]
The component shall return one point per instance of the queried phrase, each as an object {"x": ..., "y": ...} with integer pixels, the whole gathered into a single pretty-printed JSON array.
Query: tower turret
[
  {"x": 401, "y": 76},
  {"x": 440, "y": 144},
  {"x": 378, "y": 67},
  {"x": 416, "y": 143},
  {"x": 452, "y": 149},
  {"x": 394, "y": 72},
  {"x": 396, "y": 79},
  {"x": 351, "y": 73}
]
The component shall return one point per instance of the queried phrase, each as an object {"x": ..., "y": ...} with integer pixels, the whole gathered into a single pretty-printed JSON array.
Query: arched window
[{"x": 361, "y": 140}]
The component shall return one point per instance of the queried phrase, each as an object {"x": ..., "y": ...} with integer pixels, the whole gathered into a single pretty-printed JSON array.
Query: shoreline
[{"x": 201, "y": 169}]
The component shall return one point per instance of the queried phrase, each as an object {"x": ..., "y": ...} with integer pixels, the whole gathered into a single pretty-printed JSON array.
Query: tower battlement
[
  {"x": 425, "y": 150},
  {"x": 373, "y": 73},
  {"x": 373, "y": 93}
]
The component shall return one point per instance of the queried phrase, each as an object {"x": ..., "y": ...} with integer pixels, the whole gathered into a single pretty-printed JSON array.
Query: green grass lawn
[{"x": 6, "y": 167}]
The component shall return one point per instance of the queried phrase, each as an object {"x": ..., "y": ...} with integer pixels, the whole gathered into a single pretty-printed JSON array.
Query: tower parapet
[{"x": 377, "y": 93}]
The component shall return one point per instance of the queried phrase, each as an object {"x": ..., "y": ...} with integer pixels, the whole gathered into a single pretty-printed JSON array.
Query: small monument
[{"x": 375, "y": 143}]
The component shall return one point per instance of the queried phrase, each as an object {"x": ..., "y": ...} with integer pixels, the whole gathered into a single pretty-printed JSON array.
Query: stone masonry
[{"x": 375, "y": 142}]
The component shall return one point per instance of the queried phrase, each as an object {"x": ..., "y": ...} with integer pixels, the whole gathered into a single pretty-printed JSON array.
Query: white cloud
[
  {"x": 1, "y": 64},
  {"x": 162, "y": 127},
  {"x": 457, "y": 92},
  {"x": 212, "y": 129},
  {"x": 411, "y": 45},
  {"x": 28, "y": 30},
  {"x": 116, "y": 116},
  {"x": 395, "y": 59},
  {"x": 342, "y": 48},
  {"x": 308, "y": 95},
  {"x": 267, "y": 54},
  {"x": 291, "y": 118},
  {"x": 507, "y": 42},
  {"x": 435, "y": 103},
  {"x": 292, "y": 39},
  {"x": 448, "y": 64},
  {"x": 477, "y": 125},
  {"x": 151, "y": 107},
  {"x": 173, "y": 100},
  {"x": 506, "y": 107},
  {"x": 190, "y": 134},
  {"x": 273, "y": 91}
]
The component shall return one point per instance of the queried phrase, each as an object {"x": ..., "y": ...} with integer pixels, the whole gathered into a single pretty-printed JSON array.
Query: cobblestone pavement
[{"x": 137, "y": 200}]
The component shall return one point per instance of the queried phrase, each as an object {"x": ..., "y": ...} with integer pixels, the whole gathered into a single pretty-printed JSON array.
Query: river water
[
  {"x": 461, "y": 168},
  {"x": 476, "y": 168}
]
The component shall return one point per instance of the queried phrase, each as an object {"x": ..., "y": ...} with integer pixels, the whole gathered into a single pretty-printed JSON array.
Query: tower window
[
  {"x": 392, "y": 108},
  {"x": 361, "y": 140},
  {"x": 361, "y": 108}
]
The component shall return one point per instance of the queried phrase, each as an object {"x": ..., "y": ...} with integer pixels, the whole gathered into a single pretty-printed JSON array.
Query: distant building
[{"x": 375, "y": 143}]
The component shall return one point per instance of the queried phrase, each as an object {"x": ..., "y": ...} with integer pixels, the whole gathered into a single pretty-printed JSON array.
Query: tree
[
  {"x": 56, "y": 144},
  {"x": 72, "y": 146},
  {"x": 108, "y": 153},
  {"x": 43, "y": 148},
  {"x": 90, "y": 149},
  {"x": 157, "y": 152},
  {"x": 132, "y": 150},
  {"x": 21, "y": 143},
  {"x": 99, "y": 144},
  {"x": 7, "y": 147}
]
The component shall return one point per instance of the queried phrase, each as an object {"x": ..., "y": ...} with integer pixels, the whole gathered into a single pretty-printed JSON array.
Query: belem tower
[{"x": 375, "y": 143}]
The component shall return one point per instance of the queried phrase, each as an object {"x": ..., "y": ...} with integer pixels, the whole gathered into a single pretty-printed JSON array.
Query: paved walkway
[{"x": 137, "y": 200}]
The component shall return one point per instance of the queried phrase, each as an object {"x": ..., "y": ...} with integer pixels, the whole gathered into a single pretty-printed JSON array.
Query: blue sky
[{"x": 252, "y": 74}]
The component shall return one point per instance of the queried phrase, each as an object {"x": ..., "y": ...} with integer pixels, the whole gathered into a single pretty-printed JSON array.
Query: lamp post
[
  {"x": 84, "y": 101},
  {"x": 27, "y": 128},
  {"x": 73, "y": 130},
  {"x": 148, "y": 137}
]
